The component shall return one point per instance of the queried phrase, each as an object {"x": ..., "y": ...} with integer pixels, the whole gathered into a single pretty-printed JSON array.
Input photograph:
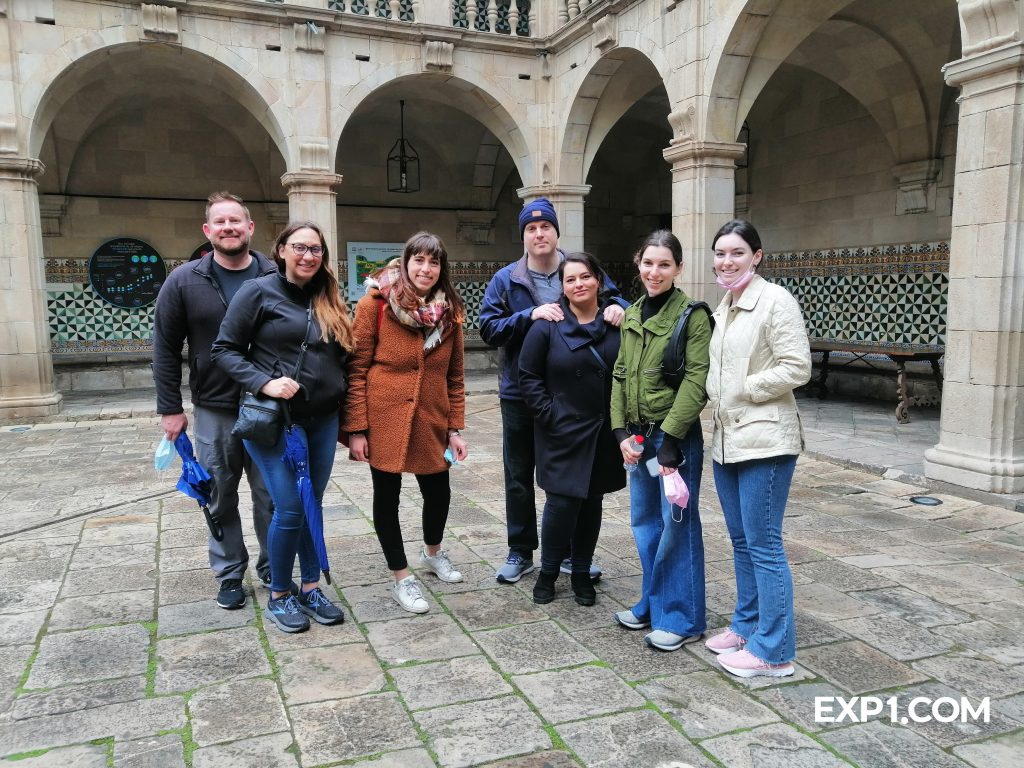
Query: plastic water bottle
[{"x": 636, "y": 444}]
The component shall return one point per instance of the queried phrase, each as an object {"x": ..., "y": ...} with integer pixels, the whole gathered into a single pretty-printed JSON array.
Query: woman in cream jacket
[{"x": 759, "y": 355}]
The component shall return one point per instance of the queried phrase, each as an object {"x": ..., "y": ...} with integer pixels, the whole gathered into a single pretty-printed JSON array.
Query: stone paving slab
[
  {"x": 629, "y": 740},
  {"x": 260, "y": 752},
  {"x": 572, "y": 694},
  {"x": 1001, "y": 752},
  {"x": 706, "y": 704},
  {"x": 465, "y": 734},
  {"x": 236, "y": 710},
  {"x": 330, "y": 731},
  {"x": 186, "y": 618},
  {"x": 78, "y": 697},
  {"x": 771, "y": 746},
  {"x": 106, "y": 608},
  {"x": 186, "y": 662},
  {"x": 858, "y": 668},
  {"x": 422, "y": 638},
  {"x": 884, "y": 746},
  {"x": 79, "y": 756},
  {"x": 467, "y": 678},
  {"x": 334, "y": 672},
  {"x": 532, "y": 648},
  {"x": 154, "y": 752},
  {"x": 79, "y": 657}
]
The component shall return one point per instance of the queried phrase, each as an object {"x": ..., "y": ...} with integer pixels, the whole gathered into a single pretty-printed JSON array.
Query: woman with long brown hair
[
  {"x": 406, "y": 401},
  {"x": 288, "y": 336}
]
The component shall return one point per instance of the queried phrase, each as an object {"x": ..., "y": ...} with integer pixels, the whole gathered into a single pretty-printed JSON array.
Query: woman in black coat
[{"x": 565, "y": 377}]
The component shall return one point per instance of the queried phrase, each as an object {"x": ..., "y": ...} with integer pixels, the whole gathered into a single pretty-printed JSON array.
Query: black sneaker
[
  {"x": 265, "y": 583},
  {"x": 316, "y": 605},
  {"x": 231, "y": 594},
  {"x": 285, "y": 612}
]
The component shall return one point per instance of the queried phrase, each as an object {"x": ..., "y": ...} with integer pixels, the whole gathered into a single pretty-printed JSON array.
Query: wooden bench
[{"x": 899, "y": 355}]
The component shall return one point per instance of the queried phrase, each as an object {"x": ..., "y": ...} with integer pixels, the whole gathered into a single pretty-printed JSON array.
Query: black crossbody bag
[{"x": 261, "y": 418}]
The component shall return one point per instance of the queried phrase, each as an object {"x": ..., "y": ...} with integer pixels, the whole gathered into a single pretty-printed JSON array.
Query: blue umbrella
[
  {"x": 296, "y": 458},
  {"x": 195, "y": 482}
]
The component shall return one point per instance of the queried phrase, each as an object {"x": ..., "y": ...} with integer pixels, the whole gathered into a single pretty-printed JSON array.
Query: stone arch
[
  {"x": 80, "y": 61},
  {"x": 464, "y": 90},
  {"x": 601, "y": 99},
  {"x": 753, "y": 48}
]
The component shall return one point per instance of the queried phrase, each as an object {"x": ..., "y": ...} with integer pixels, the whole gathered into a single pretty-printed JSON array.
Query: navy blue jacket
[
  {"x": 508, "y": 302},
  {"x": 568, "y": 392}
]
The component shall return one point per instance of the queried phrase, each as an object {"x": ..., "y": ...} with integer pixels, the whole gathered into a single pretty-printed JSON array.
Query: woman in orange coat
[{"x": 406, "y": 401}]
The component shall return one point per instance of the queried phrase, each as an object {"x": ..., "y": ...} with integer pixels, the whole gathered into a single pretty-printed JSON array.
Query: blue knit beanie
[{"x": 540, "y": 209}]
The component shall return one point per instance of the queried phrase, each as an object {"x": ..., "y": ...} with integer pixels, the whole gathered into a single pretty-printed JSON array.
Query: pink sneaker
[
  {"x": 743, "y": 663},
  {"x": 725, "y": 642}
]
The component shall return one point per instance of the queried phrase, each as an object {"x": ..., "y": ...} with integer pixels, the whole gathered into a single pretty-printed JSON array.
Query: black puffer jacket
[
  {"x": 190, "y": 307},
  {"x": 260, "y": 340}
]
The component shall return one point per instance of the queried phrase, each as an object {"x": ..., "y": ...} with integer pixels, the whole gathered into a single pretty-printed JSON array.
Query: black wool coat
[{"x": 568, "y": 392}]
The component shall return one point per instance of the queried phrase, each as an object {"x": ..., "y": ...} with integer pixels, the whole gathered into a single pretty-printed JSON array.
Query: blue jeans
[
  {"x": 753, "y": 495},
  {"x": 671, "y": 550},
  {"x": 288, "y": 533},
  {"x": 520, "y": 497}
]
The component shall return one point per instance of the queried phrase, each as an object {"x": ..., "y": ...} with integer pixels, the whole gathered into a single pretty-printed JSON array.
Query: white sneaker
[
  {"x": 407, "y": 593},
  {"x": 440, "y": 565}
]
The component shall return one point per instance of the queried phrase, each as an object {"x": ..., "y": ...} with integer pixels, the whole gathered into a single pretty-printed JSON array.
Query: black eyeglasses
[{"x": 301, "y": 248}]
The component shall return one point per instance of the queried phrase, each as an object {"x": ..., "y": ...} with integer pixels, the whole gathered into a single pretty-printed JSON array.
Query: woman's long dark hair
[
  {"x": 404, "y": 292},
  {"x": 590, "y": 261},
  {"x": 330, "y": 309}
]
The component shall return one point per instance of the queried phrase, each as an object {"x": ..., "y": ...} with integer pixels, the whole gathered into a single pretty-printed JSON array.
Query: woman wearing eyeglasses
[
  {"x": 406, "y": 403},
  {"x": 261, "y": 342}
]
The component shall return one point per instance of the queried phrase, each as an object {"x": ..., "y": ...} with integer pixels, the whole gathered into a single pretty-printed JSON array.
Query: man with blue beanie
[{"x": 519, "y": 294}]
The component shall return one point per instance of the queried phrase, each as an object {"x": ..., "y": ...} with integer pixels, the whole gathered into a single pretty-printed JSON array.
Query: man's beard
[{"x": 239, "y": 250}]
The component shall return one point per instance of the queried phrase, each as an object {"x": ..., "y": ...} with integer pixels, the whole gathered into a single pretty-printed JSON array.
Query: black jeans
[
  {"x": 518, "y": 456},
  {"x": 570, "y": 526},
  {"x": 437, "y": 496}
]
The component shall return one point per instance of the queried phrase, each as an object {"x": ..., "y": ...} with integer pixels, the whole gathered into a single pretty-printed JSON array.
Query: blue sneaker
[
  {"x": 516, "y": 566},
  {"x": 595, "y": 570},
  {"x": 316, "y": 605},
  {"x": 285, "y": 612}
]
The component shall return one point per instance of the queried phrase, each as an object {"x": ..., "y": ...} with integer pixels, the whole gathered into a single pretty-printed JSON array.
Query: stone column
[
  {"x": 26, "y": 368},
  {"x": 311, "y": 198},
  {"x": 981, "y": 431},
  {"x": 703, "y": 196},
  {"x": 568, "y": 201}
]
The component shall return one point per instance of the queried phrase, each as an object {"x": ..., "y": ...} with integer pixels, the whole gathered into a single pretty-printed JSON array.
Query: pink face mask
[{"x": 739, "y": 283}]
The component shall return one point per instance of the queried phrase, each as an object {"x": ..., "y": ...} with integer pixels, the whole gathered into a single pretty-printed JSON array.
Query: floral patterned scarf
[{"x": 430, "y": 316}]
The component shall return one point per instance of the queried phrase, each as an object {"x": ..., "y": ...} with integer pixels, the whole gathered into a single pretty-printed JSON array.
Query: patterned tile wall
[{"x": 891, "y": 296}]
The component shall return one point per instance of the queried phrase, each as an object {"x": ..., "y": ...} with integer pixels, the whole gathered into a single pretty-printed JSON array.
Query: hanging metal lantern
[{"x": 403, "y": 162}]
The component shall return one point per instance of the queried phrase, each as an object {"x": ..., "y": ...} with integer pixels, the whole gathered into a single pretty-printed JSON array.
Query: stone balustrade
[
  {"x": 504, "y": 17},
  {"x": 570, "y": 9},
  {"x": 395, "y": 10}
]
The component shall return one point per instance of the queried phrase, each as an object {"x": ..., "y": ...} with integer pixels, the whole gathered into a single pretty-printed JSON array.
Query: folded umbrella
[
  {"x": 195, "y": 482},
  {"x": 296, "y": 458}
]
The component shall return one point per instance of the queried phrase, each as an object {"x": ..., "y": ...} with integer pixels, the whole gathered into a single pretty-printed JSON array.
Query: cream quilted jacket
[{"x": 759, "y": 355}]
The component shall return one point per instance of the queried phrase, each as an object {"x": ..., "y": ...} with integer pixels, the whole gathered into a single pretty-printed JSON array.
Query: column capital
[
  {"x": 551, "y": 191},
  {"x": 21, "y": 168},
  {"x": 691, "y": 154},
  {"x": 1006, "y": 60},
  {"x": 301, "y": 180}
]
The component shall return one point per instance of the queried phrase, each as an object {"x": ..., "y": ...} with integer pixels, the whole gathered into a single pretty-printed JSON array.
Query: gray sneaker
[
  {"x": 595, "y": 569},
  {"x": 669, "y": 641},
  {"x": 516, "y": 566},
  {"x": 440, "y": 566}
]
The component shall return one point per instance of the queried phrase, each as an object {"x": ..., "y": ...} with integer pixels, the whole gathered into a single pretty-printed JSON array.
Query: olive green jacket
[{"x": 639, "y": 393}]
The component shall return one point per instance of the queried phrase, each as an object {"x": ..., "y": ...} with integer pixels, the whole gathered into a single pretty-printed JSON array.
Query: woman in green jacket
[{"x": 668, "y": 537}]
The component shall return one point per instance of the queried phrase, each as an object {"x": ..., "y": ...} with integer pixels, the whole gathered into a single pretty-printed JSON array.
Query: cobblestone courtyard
[{"x": 113, "y": 652}]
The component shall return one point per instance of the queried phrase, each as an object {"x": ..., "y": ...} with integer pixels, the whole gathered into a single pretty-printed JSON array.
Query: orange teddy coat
[{"x": 405, "y": 400}]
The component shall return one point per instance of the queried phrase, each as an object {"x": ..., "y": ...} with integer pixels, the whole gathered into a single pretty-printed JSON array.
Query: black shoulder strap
[{"x": 679, "y": 332}]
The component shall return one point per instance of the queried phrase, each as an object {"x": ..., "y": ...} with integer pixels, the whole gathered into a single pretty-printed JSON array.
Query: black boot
[
  {"x": 583, "y": 588},
  {"x": 544, "y": 589}
]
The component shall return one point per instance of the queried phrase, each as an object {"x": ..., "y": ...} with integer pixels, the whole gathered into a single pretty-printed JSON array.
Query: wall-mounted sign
[
  {"x": 127, "y": 272},
  {"x": 364, "y": 258},
  {"x": 201, "y": 250}
]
